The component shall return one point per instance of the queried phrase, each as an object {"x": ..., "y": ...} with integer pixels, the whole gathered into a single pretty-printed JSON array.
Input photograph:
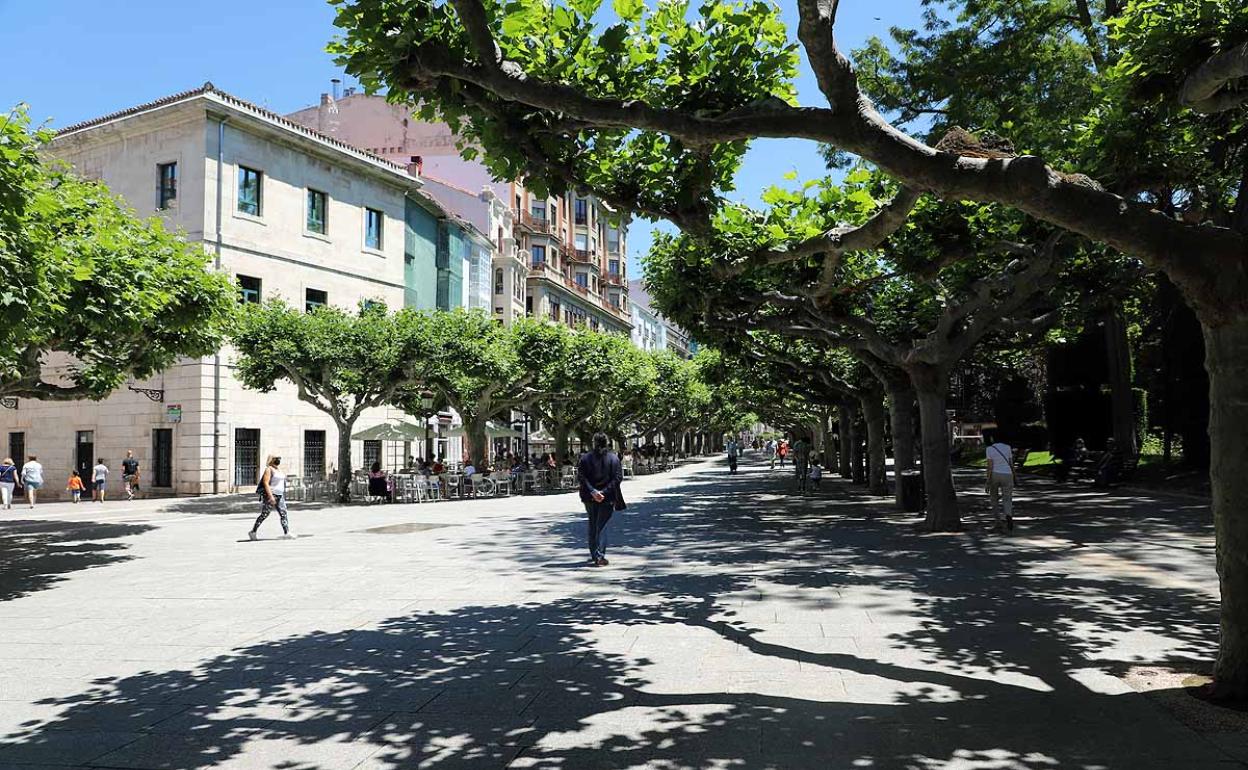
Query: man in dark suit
[{"x": 600, "y": 476}]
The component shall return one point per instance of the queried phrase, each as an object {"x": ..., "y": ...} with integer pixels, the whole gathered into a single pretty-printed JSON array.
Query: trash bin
[{"x": 912, "y": 494}]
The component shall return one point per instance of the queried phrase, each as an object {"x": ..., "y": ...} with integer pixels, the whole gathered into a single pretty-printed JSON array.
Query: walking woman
[
  {"x": 32, "y": 479},
  {"x": 8, "y": 482},
  {"x": 272, "y": 489}
]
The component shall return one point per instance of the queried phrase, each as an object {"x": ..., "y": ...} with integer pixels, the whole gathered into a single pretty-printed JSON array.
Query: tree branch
[{"x": 1210, "y": 87}]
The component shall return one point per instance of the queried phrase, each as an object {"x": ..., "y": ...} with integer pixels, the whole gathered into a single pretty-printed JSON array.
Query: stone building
[{"x": 290, "y": 213}]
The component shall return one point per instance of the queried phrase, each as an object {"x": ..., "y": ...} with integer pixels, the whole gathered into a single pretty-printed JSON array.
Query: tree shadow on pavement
[
  {"x": 919, "y": 652},
  {"x": 36, "y": 554}
]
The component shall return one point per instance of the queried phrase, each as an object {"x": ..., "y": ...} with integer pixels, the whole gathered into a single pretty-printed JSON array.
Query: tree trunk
[
  {"x": 901, "y": 422},
  {"x": 857, "y": 459},
  {"x": 1226, "y": 359},
  {"x": 873, "y": 414},
  {"x": 931, "y": 388},
  {"x": 476, "y": 441},
  {"x": 1122, "y": 399},
  {"x": 845, "y": 413},
  {"x": 344, "y": 460},
  {"x": 562, "y": 433}
]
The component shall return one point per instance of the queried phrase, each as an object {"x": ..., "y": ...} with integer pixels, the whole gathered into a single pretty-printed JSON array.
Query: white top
[
  {"x": 1000, "y": 458},
  {"x": 277, "y": 482},
  {"x": 100, "y": 472},
  {"x": 32, "y": 471}
]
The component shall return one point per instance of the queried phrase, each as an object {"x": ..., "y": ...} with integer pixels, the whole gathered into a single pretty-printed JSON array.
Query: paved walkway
[{"x": 738, "y": 626}]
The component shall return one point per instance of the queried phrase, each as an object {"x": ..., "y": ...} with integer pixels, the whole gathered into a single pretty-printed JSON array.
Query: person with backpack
[
  {"x": 8, "y": 482},
  {"x": 600, "y": 475},
  {"x": 272, "y": 491},
  {"x": 130, "y": 474},
  {"x": 1000, "y": 481}
]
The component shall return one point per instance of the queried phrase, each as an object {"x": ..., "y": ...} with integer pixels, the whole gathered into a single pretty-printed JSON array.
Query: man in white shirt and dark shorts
[{"x": 1000, "y": 481}]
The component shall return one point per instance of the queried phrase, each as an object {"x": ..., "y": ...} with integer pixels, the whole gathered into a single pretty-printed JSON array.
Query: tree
[
  {"x": 617, "y": 414},
  {"x": 652, "y": 112},
  {"x": 339, "y": 362},
  {"x": 590, "y": 367},
  {"x": 679, "y": 398},
  {"x": 483, "y": 370},
  {"x": 88, "y": 283}
]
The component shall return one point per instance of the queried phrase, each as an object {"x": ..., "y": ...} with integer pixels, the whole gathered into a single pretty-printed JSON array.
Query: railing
[
  {"x": 537, "y": 224},
  {"x": 615, "y": 279},
  {"x": 584, "y": 256}
]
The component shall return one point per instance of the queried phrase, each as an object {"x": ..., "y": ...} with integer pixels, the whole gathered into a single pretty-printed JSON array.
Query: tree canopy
[{"x": 92, "y": 295}]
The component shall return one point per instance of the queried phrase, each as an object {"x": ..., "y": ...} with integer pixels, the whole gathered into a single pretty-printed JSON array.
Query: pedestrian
[
  {"x": 801, "y": 461},
  {"x": 130, "y": 474},
  {"x": 1000, "y": 481},
  {"x": 8, "y": 482},
  {"x": 771, "y": 452},
  {"x": 733, "y": 450},
  {"x": 782, "y": 450},
  {"x": 272, "y": 492},
  {"x": 32, "y": 479},
  {"x": 600, "y": 475},
  {"x": 75, "y": 486},
  {"x": 816, "y": 473},
  {"x": 99, "y": 479}
]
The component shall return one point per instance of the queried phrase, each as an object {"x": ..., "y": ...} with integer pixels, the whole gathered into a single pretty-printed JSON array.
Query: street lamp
[{"x": 426, "y": 405}]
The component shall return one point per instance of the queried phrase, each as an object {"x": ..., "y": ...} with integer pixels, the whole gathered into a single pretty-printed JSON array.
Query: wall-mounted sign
[{"x": 173, "y": 413}]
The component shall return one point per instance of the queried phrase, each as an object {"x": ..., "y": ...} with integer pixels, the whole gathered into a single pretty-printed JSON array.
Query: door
[
  {"x": 246, "y": 457},
  {"x": 314, "y": 455},
  {"x": 162, "y": 457},
  {"x": 84, "y": 453},
  {"x": 17, "y": 447},
  {"x": 372, "y": 453}
]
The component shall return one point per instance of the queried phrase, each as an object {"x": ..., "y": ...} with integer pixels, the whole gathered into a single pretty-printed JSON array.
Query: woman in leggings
[{"x": 272, "y": 489}]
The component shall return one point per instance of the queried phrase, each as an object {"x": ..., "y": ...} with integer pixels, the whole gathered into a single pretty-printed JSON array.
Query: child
[
  {"x": 75, "y": 486},
  {"x": 816, "y": 473}
]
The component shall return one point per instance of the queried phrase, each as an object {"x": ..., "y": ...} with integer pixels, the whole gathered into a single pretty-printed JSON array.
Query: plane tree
[
  {"x": 652, "y": 107},
  {"x": 92, "y": 295}
]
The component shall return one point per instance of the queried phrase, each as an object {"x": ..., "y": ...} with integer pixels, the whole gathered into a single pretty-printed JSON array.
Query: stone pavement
[{"x": 738, "y": 626}]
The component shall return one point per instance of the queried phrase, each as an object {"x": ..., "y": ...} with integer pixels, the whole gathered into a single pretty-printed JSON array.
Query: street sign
[{"x": 173, "y": 413}]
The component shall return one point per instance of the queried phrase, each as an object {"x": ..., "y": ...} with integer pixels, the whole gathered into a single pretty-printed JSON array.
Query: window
[
  {"x": 582, "y": 241},
  {"x": 582, "y": 211},
  {"x": 314, "y": 298},
  {"x": 613, "y": 267},
  {"x": 372, "y": 229},
  {"x": 248, "y": 289},
  {"x": 250, "y": 191},
  {"x": 518, "y": 205},
  {"x": 613, "y": 239},
  {"x": 498, "y": 281},
  {"x": 582, "y": 280},
  {"x": 316, "y": 221},
  {"x": 539, "y": 255},
  {"x": 166, "y": 185},
  {"x": 314, "y": 455},
  {"x": 554, "y": 311},
  {"x": 372, "y": 452},
  {"x": 517, "y": 286},
  {"x": 528, "y": 306},
  {"x": 539, "y": 210}
]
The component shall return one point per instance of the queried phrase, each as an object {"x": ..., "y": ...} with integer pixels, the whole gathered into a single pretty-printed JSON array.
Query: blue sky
[{"x": 81, "y": 59}]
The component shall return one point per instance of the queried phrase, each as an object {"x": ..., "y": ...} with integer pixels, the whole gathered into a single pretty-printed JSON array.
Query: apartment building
[
  {"x": 651, "y": 331},
  {"x": 290, "y": 213},
  {"x": 560, "y": 257}
]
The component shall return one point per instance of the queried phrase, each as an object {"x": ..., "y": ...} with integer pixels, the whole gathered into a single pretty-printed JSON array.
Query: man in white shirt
[{"x": 1000, "y": 480}]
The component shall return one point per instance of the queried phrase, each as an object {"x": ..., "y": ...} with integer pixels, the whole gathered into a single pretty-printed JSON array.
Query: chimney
[
  {"x": 416, "y": 166},
  {"x": 324, "y": 100},
  {"x": 335, "y": 82}
]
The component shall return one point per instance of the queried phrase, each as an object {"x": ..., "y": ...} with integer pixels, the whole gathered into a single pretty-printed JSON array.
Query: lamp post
[{"x": 426, "y": 405}]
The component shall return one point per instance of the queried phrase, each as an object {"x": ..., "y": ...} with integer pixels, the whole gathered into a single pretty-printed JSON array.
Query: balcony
[
  {"x": 584, "y": 256},
  {"x": 534, "y": 224},
  {"x": 615, "y": 279}
]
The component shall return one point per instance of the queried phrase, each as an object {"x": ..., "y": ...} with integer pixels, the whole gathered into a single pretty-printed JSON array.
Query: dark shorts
[{"x": 99, "y": 484}]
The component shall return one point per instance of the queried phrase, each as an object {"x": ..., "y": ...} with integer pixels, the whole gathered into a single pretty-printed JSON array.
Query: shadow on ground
[
  {"x": 1003, "y": 657},
  {"x": 35, "y": 554}
]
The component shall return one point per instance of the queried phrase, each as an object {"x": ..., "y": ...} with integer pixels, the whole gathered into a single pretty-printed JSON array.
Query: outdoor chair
[{"x": 502, "y": 484}]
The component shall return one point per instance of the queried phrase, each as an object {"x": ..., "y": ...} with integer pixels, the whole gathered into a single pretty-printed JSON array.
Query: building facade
[
  {"x": 651, "y": 331},
  {"x": 289, "y": 213},
  {"x": 567, "y": 250}
]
